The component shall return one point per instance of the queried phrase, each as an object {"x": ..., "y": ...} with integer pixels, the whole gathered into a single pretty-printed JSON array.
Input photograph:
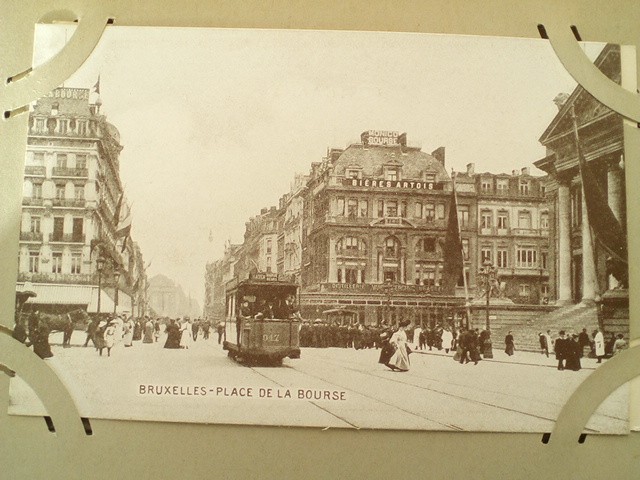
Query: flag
[
  {"x": 452, "y": 248},
  {"x": 605, "y": 227},
  {"x": 123, "y": 220},
  {"x": 96, "y": 87}
]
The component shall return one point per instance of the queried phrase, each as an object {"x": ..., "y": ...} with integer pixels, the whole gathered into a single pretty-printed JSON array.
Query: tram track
[
  {"x": 484, "y": 390},
  {"x": 448, "y": 426},
  {"x": 442, "y": 392}
]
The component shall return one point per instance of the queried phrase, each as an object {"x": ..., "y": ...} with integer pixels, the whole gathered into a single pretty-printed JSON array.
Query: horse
[{"x": 65, "y": 323}]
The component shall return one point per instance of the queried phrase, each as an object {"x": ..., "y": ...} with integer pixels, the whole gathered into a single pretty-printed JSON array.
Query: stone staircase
[{"x": 572, "y": 319}]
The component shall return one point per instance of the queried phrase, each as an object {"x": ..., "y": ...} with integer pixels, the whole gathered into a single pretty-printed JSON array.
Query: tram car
[{"x": 262, "y": 320}]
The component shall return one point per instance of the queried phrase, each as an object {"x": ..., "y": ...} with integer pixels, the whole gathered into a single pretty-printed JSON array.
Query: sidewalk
[{"x": 518, "y": 358}]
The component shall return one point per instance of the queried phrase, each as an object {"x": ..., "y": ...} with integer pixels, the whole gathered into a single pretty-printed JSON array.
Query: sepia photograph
[{"x": 323, "y": 229}]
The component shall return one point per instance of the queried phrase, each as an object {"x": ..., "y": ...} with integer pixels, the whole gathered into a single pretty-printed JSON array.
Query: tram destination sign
[{"x": 392, "y": 184}]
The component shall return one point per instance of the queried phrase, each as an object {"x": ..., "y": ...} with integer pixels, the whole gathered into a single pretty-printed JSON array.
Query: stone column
[
  {"x": 564, "y": 245},
  {"x": 589, "y": 278},
  {"x": 343, "y": 275},
  {"x": 379, "y": 264},
  {"x": 402, "y": 265},
  {"x": 615, "y": 200}
]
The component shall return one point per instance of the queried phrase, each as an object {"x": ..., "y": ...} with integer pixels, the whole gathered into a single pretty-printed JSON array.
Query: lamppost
[
  {"x": 99, "y": 267},
  {"x": 116, "y": 277},
  {"x": 490, "y": 275}
]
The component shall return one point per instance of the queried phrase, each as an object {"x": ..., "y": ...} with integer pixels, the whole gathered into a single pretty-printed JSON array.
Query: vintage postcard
[{"x": 323, "y": 229}]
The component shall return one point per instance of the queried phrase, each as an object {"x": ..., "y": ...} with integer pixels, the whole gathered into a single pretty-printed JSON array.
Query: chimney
[
  {"x": 263, "y": 210},
  {"x": 438, "y": 154},
  {"x": 514, "y": 173},
  {"x": 364, "y": 138},
  {"x": 525, "y": 171},
  {"x": 471, "y": 169},
  {"x": 402, "y": 140}
]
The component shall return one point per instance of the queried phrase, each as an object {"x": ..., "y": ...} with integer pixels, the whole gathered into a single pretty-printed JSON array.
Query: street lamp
[
  {"x": 116, "y": 276},
  {"x": 99, "y": 267},
  {"x": 490, "y": 275}
]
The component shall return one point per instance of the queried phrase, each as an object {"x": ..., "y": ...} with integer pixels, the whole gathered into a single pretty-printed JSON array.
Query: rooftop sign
[
  {"x": 70, "y": 93},
  {"x": 389, "y": 184},
  {"x": 382, "y": 138}
]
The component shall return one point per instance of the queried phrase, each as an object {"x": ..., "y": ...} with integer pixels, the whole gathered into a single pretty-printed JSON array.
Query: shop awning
[
  {"x": 107, "y": 303},
  {"x": 60, "y": 294}
]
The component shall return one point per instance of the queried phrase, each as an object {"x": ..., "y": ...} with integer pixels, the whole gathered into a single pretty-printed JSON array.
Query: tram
[{"x": 262, "y": 320}]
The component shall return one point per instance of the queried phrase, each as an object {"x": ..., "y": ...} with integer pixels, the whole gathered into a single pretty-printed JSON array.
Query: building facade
[
  {"x": 71, "y": 191},
  {"x": 513, "y": 232},
  {"x": 579, "y": 272},
  {"x": 374, "y": 228}
]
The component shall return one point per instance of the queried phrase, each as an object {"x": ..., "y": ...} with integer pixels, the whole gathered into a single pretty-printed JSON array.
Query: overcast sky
[{"x": 216, "y": 122}]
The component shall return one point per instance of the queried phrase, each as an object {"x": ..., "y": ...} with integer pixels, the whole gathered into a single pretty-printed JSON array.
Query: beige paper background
[{"x": 155, "y": 450}]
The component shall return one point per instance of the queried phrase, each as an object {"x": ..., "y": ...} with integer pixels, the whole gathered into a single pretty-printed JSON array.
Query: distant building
[
  {"x": 71, "y": 189},
  {"x": 167, "y": 299}
]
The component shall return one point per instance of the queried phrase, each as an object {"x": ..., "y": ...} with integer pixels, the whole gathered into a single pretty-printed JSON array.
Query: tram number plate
[{"x": 271, "y": 337}]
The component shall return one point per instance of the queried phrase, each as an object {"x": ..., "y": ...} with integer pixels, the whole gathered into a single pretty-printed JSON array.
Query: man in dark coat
[
  {"x": 561, "y": 347},
  {"x": 583, "y": 341}
]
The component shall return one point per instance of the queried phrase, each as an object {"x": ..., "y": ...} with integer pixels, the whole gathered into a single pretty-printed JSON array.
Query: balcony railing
[
  {"x": 68, "y": 238},
  {"x": 69, "y": 172},
  {"x": 526, "y": 232},
  {"x": 76, "y": 278},
  {"x": 68, "y": 202},
  {"x": 31, "y": 236},
  {"x": 351, "y": 252},
  {"x": 37, "y": 170},
  {"x": 523, "y": 271},
  {"x": 33, "y": 202}
]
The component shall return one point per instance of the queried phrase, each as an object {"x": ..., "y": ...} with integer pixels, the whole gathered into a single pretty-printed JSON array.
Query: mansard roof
[{"x": 372, "y": 160}]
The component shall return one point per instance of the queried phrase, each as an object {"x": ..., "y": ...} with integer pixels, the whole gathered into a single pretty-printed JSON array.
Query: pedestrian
[
  {"x": 206, "y": 328},
  {"x": 561, "y": 348},
  {"x": 156, "y": 330},
  {"x": 509, "y": 344},
  {"x": 620, "y": 344},
  {"x": 544, "y": 346},
  {"x": 220, "y": 331},
  {"x": 173, "y": 335},
  {"x": 400, "y": 359},
  {"x": 547, "y": 337},
  {"x": 573, "y": 353},
  {"x": 195, "y": 328},
  {"x": 39, "y": 337},
  {"x": 387, "y": 350},
  {"x": 598, "y": 341},
  {"x": 465, "y": 345},
  {"x": 91, "y": 331},
  {"x": 127, "y": 337},
  {"x": 416, "y": 337},
  {"x": 137, "y": 330},
  {"x": 109, "y": 337},
  {"x": 185, "y": 333},
  {"x": 583, "y": 340},
  {"x": 447, "y": 340},
  {"x": 148, "y": 331}
]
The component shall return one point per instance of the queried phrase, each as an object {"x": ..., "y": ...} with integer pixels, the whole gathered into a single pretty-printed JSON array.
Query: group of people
[
  {"x": 105, "y": 333},
  {"x": 182, "y": 332},
  {"x": 323, "y": 335},
  {"x": 570, "y": 348},
  {"x": 37, "y": 335}
]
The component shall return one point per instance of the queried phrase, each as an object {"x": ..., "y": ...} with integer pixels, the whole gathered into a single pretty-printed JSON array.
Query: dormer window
[
  {"x": 391, "y": 174},
  {"x": 353, "y": 174}
]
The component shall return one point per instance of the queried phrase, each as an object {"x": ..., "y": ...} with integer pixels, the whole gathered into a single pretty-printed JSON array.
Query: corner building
[
  {"x": 374, "y": 225},
  {"x": 70, "y": 192}
]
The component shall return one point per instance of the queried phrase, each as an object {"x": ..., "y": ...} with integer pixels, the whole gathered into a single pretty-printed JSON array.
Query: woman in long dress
[
  {"x": 447, "y": 340},
  {"x": 127, "y": 337},
  {"x": 185, "y": 337},
  {"x": 109, "y": 338},
  {"x": 400, "y": 359},
  {"x": 148, "y": 332},
  {"x": 173, "y": 335}
]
